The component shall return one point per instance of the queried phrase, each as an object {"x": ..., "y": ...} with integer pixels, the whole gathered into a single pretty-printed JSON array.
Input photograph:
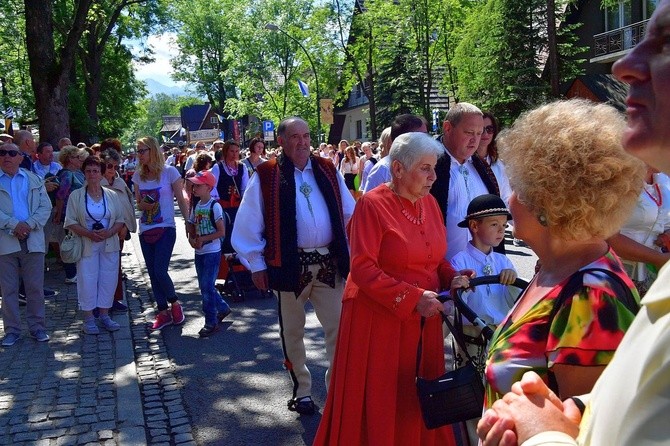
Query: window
[
  {"x": 214, "y": 120},
  {"x": 359, "y": 129},
  {"x": 618, "y": 16},
  {"x": 649, "y": 8}
]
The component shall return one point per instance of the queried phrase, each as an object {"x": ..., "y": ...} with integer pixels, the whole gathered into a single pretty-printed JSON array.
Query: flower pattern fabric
[{"x": 585, "y": 331}]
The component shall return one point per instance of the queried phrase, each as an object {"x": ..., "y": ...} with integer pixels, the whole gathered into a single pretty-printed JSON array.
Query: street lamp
[{"x": 274, "y": 28}]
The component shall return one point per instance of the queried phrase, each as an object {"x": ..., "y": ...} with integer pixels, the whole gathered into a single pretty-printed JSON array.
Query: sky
[{"x": 160, "y": 69}]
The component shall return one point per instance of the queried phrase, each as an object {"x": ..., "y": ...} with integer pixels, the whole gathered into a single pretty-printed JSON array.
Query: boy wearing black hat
[{"x": 486, "y": 220}]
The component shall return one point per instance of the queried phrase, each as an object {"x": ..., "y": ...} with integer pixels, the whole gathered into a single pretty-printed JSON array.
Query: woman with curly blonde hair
[
  {"x": 573, "y": 187},
  {"x": 156, "y": 185}
]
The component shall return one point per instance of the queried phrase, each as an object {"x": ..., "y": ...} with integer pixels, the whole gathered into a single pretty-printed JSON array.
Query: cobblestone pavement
[{"x": 112, "y": 389}]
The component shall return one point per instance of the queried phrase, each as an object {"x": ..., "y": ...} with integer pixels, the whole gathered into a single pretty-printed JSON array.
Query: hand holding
[
  {"x": 507, "y": 276},
  {"x": 260, "y": 279},
  {"x": 428, "y": 305}
]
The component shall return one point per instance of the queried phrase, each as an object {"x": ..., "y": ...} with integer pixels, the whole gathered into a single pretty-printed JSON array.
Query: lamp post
[{"x": 273, "y": 27}]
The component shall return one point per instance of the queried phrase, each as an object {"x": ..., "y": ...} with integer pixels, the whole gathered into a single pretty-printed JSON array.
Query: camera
[
  {"x": 97, "y": 226},
  {"x": 149, "y": 199}
]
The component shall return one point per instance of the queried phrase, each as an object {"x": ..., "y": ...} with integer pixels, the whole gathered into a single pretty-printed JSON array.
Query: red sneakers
[
  {"x": 163, "y": 319},
  {"x": 177, "y": 313}
]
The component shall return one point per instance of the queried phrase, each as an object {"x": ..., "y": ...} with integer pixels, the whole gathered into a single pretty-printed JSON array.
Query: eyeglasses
[
  {"x": 142, "y": 151},
  {"x": 112, "y": 166},
  {"x": 489, "y": 129},
  {"x": 11, "y": 153}
]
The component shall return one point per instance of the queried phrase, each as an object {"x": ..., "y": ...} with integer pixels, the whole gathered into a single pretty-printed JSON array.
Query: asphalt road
[{"x": 234, "y": 386}]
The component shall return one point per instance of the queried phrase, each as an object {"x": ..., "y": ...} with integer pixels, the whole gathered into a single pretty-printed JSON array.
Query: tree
[
  {"x": 108, "y": 23},
  {"x": 509, "y": 82},
  {"x": 50, "y": 66}
]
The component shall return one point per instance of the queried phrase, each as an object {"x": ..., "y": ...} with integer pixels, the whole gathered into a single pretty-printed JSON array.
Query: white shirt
[
  {"x": 498, "y": 169},
  {"x": 314, "y": 228},
  {"x": 160, "y": 191},
  {"x": 202, "y": 220},
  {"x": 465, "y": 184},
  {"x": 379, "y": 174},
  {"x": 490, "y": 302},
  {"x": 41, "y": 170},
  {"x": 367, "y": 167},
  {"x": 648, "y": 220}
]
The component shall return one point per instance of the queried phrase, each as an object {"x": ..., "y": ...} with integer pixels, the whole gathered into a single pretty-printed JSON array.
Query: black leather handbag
[{"x": 455, "y": 396}]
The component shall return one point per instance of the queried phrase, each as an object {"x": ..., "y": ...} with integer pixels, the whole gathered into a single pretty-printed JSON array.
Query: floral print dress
[{"x": 585, "y": 331}]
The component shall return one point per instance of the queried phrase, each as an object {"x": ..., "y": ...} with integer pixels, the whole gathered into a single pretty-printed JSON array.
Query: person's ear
[
  {"x": 473, "y": 225},
  {"x": 396, "y": 169}
]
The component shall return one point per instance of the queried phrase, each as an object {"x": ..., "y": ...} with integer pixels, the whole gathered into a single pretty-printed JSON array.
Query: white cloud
[{"x": 159, "y": 70}]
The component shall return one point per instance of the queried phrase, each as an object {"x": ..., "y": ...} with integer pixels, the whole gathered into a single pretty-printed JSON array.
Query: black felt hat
[{"x": 486, "y": 205}]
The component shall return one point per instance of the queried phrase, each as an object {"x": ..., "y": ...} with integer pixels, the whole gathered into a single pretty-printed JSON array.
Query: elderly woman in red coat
[{"x": 398, "y": 244}]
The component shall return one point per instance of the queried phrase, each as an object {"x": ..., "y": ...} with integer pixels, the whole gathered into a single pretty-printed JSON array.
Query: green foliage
[
  {"x": 149, "y": 115},
  {"x": 500, "y": 59},
  {"x": 14, "y": 77}
]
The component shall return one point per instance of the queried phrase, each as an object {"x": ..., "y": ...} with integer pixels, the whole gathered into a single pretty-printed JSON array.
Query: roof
[
  {"x": 171, "y": 124},
  {"x": 194, "y": 116},
  {"x": 605, "y": 87}
]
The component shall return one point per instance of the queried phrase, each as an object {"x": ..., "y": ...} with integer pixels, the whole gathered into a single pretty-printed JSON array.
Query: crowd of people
[{"x": 370, "y": 239}]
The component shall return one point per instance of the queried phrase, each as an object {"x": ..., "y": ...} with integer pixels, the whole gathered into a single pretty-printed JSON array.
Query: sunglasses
[
  {"x": 112, "y": 166},
  {"x": 489, "y": 129},
  {"x": 142, "y": 151},
  {"x": 11, "y": 153}
]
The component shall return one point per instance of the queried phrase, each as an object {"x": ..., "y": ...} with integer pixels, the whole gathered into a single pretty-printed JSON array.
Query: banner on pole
[{"x": 326, "y": 111}]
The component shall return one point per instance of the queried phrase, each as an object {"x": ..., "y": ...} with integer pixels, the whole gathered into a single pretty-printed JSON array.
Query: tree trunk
[
  {"x": 49, "y": 75},
  {"x": 553, "y": 49}
]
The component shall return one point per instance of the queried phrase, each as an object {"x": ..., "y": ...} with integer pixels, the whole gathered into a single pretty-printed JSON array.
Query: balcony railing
[{"x": 618, "y": 40}]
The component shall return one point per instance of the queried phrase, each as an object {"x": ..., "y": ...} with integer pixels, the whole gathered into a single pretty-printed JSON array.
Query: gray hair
[
  {"x": 458, "y": 111},
  {"x": 111, "y": 155},
  {"x": 22, "y": 135},
  {"x": 9, "y": 146},
  {"x": 409, "y": 148},
  {"x": 385, "y": 138}
]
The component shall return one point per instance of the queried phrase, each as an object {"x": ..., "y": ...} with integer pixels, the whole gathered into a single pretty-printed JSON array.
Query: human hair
[
  {"x": 283, "y": 126},
  {"x": 68, "y": 152},
  {"x": 406, "y": 123},
  {"x": 110, "y": 143},
  {"x": 201, "y": 162},
  {"x": 110, "y": 155},
  {"x": 20, "y": 136},
  {"x": 385, "y": 139},
  {"x": 343, "y": 141},
  {"x": 156, "y": 161},
  {"x": 42, "y": 145},
  {"x": 256, "y": 141},
  {"x": 461, "y": 109},
  {"x": 566, "y": 163},
  {"x": 227, "y": 145},
  {"x": 94, "y": 160},
  {"x": 492, "y": 149},
  {"x": 350, "y": 154},
  {"x": 199, "y": 143},
  {"x": 409, "y": 148}
]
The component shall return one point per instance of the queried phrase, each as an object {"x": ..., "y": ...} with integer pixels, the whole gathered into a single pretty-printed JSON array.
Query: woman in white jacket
[{"x": 94, "y": 213}]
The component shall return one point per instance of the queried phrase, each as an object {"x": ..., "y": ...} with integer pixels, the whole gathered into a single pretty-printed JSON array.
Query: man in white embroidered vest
[
  {"x": 290, "y": 230},
  {"x": 24, "y": 209}
]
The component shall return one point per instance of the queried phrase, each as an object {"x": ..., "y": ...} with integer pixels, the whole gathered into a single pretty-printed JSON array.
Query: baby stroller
[{"x": 463, "y": 310}]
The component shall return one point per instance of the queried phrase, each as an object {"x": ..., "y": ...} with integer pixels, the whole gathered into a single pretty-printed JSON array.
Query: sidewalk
[{"x": 84, "y": 389}]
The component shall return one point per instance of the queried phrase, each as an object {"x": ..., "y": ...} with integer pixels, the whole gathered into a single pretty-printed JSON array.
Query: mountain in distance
[{"x": 154, "y": 87}]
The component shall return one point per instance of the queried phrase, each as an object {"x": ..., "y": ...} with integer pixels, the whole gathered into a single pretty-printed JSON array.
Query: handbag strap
[{"x": 457, "y": 336}]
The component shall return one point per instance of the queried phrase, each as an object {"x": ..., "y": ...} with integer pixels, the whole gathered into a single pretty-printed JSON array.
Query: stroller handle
[{"x": 466, "y": 311}]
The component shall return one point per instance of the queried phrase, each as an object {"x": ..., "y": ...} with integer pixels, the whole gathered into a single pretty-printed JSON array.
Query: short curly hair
[{"x": 565, "y": 162}]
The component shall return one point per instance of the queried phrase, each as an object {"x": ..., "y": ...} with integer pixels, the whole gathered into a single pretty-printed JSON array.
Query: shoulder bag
[
  {"x": 71, "y": 247},
  {"x": 455, "y": 396}
]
